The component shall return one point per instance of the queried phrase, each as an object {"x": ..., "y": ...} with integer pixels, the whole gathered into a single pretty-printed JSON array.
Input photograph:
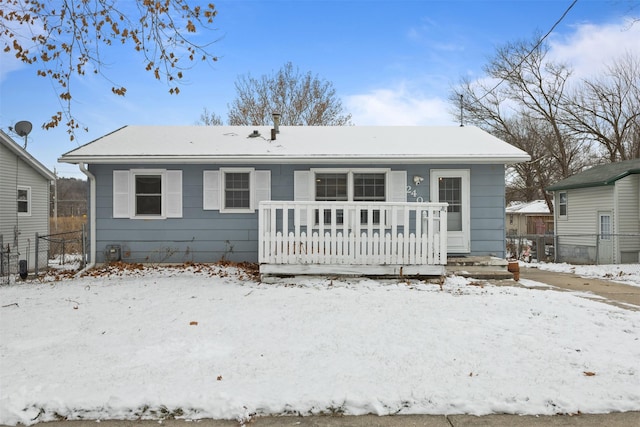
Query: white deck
[{"x": 354, "y": 238}]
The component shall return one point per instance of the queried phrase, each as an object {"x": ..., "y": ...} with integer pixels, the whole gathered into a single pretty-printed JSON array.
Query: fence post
[
  {"x": 83, "y": 237},
  {"x": 37, "y": 253}
]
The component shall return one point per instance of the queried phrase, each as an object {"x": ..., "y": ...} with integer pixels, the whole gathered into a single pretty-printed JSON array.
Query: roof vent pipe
[{"x": 276, "y": 122}]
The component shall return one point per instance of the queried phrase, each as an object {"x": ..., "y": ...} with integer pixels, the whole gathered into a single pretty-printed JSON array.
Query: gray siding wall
[
  {"x": 208, "y": 236},
  {"x": 628, "y": 218},
  {"x": 577, "y": 231},
  {"x": 27, "y": 226}
]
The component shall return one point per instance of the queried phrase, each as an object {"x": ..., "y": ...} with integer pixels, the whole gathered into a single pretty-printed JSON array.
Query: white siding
[
  {"x": 581, "y": 223},
  {"x": 627, "y": 218}
]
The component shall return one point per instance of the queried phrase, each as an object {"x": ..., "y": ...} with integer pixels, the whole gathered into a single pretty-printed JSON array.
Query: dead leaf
[
  {"x": 589, "y": 373},
  {"x": 193, "y": 323}
]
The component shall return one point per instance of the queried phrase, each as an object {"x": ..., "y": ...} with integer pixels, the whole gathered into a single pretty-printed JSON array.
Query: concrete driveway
[{"x": 617, "y": 294}]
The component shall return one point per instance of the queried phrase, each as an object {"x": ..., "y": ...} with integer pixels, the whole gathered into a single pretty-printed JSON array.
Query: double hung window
[
  {"x": 147, "y": 193},
  {"x": 562, "y": 204},
  {"x": 235, "y": 190},
  {"x": 24, "y": 201},
  {"x": 353, "y": 186}
]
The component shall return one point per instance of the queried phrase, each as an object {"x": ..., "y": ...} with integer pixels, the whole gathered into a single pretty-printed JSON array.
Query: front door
[
  {"x": 605, "y": 243},
  {"x": 452, "y": 186}
]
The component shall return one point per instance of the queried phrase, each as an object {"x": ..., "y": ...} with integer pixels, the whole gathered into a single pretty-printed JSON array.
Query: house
[
  {"x": 528, "y": 218},
  {"x": 297, "y": 199},
  {"x": 529, "y": 231},
  {"x": 24, "y": 202},
  {"x": 597, "y": 217}
]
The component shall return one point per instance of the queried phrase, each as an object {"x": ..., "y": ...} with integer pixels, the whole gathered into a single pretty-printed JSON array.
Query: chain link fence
[
  {"x": 65, "y": 251},
  {"x": 8, "y": 263},
  {"x": 575, "y": 248}
]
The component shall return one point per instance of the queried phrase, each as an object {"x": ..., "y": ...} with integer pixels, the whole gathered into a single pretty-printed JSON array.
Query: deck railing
[{"x": 353, "y": 233}]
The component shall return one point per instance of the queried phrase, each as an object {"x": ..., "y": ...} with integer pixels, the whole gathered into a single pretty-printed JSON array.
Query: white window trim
[
  {"x": 350, "y": 172},
  {"x": 213, "y": 188},
  {"x": 566, "y": 205},
  {"x": 128, "y": 192},
  {"x": 28, "y": 188},
  {"x": 132, "y": 192},
  {"x": 252, "y": 189}
]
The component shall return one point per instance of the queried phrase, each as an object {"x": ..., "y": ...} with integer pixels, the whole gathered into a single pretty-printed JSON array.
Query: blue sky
[{"x": 391, "y": 63}]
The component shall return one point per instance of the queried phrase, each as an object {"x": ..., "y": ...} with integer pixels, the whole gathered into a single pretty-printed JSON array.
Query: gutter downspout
[{"x": 92, "y": 213}]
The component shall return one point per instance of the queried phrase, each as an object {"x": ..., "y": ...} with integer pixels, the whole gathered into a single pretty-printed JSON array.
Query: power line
[{"x": 533, "y": 49}]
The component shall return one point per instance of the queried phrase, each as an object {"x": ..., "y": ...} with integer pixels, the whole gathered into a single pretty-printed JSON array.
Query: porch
[{"x": 352, "y": 238}]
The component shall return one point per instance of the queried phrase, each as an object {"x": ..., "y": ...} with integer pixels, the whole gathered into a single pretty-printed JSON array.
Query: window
[
  {"x": 147, "y": 193},
  {"x": 24, "y": 201},
  {"x": 605, "y": 227},
  {"x": 350, "y": 186},
  {"x": 369, "y": 187},
  {"x": 562, "y": 204},
  {"x": 331, "y": 187},
  {"x": 235, "y": 190},
  {"x": 148, "y": 199},
  {"x": 450, "y": 191}
]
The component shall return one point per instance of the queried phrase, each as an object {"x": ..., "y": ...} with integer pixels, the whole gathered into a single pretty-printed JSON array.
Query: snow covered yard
[{"x": 211, "y": 342}]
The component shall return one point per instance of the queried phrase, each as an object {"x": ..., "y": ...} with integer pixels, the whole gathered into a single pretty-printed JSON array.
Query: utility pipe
[{"x": 92, "y": 215}]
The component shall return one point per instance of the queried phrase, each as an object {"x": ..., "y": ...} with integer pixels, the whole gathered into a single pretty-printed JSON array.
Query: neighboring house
[
  {"x": 597, "y": 215},
  {"x": 311, "y": 199},
  {"x": 24, "y": 200},
  {"x": 528, "y": 218}
]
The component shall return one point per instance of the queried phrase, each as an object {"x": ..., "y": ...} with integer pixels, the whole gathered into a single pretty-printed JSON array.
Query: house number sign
[{"x": 413, "y": 192}]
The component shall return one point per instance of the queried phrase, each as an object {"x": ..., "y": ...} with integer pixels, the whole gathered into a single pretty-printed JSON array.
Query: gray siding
[
  {"x": 577, "y": 232},
  {"x": 628, "y": 218},
  {"x": 15, "y": 172},
  {"x": 208, "y": 235}
]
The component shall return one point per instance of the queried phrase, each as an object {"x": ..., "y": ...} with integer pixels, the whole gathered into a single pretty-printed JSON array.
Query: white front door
[
  {"x": 605, "y": 244},
  {"x": 452, "y": 186}
]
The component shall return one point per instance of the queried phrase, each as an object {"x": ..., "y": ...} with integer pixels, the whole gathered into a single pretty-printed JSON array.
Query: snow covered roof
[
  {"x": 358, "y": 144},
  {"x": 8, "y": 142},
  {"x": 534, "y": 207}
]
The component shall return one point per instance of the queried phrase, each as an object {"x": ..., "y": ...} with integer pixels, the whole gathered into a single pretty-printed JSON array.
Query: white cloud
[
  {"x": 587, "y": 50},
  {"x": 591, "y": 47},
  {"x": 398, "y": 106}
]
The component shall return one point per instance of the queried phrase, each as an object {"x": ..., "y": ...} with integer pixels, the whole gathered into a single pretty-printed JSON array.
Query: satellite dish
[{"x": 23, "y": 128}]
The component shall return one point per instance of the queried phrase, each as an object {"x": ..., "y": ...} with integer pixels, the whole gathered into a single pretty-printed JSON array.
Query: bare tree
[
  {"x": 524, "y": 109},
  {"x": 208, "y": 118},
  {"x": 301, "y": 99},
  {"x": 606, "y": 109},
  {"x": 67, "y": 38}
]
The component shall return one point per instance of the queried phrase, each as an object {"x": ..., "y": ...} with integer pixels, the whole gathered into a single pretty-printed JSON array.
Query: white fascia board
[{"x": 295, "y": 159}]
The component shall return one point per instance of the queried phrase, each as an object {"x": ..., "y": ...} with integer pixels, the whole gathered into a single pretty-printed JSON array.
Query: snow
[
  {"x": 211, "y": 342},
  {"x": 316, "y": 144},
  {"x": 628, "y": 274},
  {"x": 534, "y": 207}
]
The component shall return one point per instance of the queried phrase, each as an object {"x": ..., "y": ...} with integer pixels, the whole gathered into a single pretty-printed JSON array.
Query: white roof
[
  {"x": 534, "y": 207},
  {"x": 318, "y": 144}
]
